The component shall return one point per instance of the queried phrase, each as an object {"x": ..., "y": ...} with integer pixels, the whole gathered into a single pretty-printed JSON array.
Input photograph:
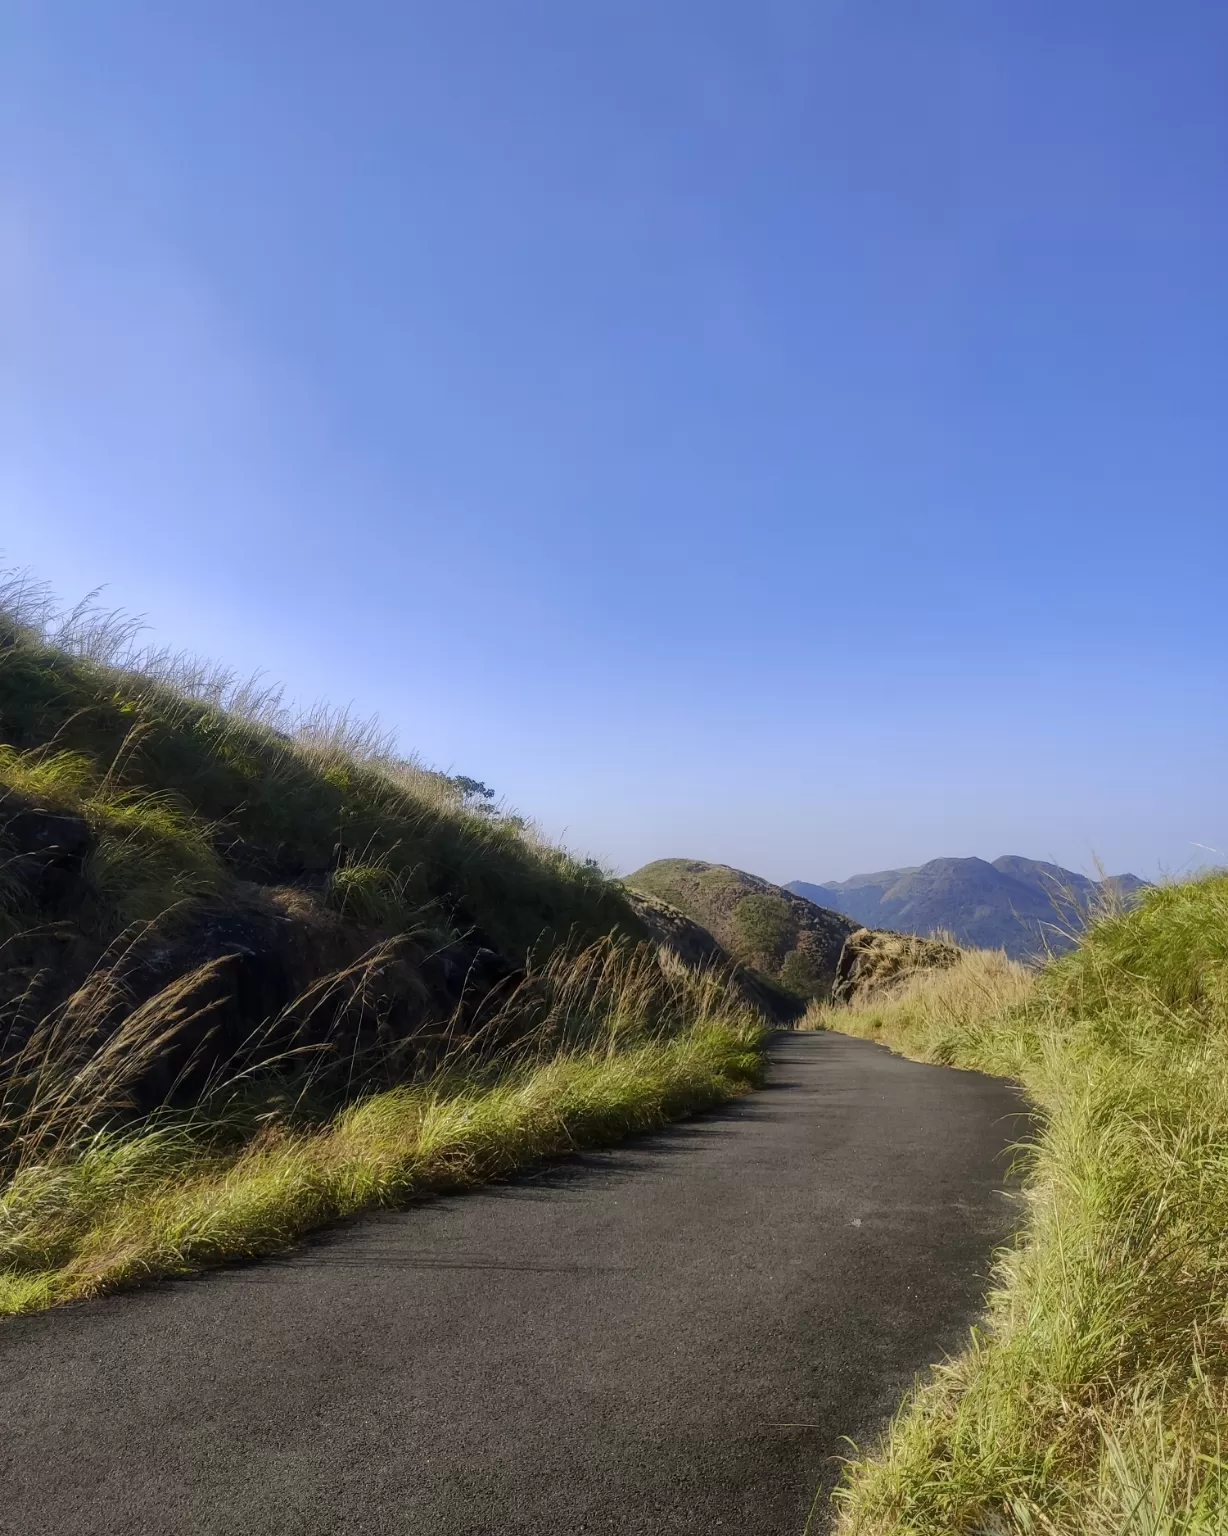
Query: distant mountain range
[{"x": 1017, "y": 904}]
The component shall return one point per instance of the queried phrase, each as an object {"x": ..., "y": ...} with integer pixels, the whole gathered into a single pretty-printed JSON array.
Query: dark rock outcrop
[
  {"x": 268, "y": 979},
  {"x": 41, "y": 851},
  {"x": 873, "y": 960},
  {"x": 277, "y": 977}
]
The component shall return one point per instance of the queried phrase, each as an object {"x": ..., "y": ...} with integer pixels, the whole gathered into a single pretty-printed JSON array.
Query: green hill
[{"x": 793, "y": 942}]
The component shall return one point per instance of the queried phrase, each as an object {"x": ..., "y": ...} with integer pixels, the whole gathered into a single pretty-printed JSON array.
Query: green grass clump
[
  {"x": 1095, "y": 1398},
  {"x": 147, "y": 851},
  {"x": 372, "y": 893}
]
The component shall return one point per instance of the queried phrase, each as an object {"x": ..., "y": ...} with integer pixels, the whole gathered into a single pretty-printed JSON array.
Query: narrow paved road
[{"x": 670, "y": 1338}]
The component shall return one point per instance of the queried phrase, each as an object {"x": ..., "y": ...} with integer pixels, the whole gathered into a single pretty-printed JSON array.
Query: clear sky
[{"x": 789, "y": 434}]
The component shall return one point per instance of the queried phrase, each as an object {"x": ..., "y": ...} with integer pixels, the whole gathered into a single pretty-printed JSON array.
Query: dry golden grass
[{"x": 954, "y": 1015}]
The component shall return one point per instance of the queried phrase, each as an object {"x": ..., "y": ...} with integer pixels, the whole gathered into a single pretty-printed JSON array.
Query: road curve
[{"x": 666, "y": 1339}]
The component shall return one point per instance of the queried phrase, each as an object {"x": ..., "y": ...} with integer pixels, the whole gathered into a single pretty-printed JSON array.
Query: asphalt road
[{"x": 669, "y": 1338}]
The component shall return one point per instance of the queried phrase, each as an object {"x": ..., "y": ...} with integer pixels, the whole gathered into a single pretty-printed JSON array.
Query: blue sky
[{"x": 790, "y": 434}]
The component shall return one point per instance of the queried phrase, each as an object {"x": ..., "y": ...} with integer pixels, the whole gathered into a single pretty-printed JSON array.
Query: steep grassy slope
[
  {"x": 183, "y": 799},
  {"x": 1095, "y": 1403},
  {"x": 789, "y": 940},
  {"x": 1021, "y": 905}
]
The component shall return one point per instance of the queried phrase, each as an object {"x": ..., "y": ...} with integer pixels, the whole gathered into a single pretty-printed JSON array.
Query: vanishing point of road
[{"x": 669, "y": 1338}]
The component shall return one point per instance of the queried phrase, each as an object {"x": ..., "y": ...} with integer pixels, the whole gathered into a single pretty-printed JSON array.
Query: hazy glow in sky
[{"x": 791, "y": 434}]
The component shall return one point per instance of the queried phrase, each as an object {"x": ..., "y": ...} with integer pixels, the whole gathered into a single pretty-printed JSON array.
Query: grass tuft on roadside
[{"x": 1094, "y": 1400}]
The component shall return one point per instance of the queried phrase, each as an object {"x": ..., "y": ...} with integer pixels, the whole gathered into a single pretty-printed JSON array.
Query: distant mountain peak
[{"x": 1025, "y": 906}]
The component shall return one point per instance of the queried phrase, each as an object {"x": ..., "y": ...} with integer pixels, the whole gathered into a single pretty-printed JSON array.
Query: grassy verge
[
  {"x": 620, "y": 1041},
  {"x": 1095, "y": 1399}
]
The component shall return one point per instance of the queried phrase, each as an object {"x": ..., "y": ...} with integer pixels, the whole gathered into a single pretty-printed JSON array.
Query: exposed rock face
[
  {"x": 278, "y": 972},
  {"x": 1021, "y": 905},
  {"x": 269, "y": 974},
  {"x": 792, "y": 942},
  {"x": 41, "y": 850},
  {"x": 874, "y": 960}
]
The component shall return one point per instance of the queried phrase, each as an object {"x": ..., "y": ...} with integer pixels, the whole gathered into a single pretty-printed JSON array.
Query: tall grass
[
  {"x": 1094, "y": 1401},
  {"x": 591, "y": 1048}
]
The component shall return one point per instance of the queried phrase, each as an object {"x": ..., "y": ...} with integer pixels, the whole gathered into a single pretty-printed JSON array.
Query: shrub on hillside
[
  {"x": 766, "y": 929},
  {"x": 797, "y": 975}
]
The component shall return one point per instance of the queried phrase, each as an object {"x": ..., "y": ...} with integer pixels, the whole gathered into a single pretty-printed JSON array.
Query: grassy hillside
[
  {"x": 791, "y": 941},
  {"x": 1095, "y": 1401},
  {"x": 258, "y": 971},
  {"x": 188, "y": 795},
  {"x": 1024, "y": 906}
]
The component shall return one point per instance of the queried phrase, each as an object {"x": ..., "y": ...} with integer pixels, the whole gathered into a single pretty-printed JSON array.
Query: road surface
[{"x": 669, "y": 1338}]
